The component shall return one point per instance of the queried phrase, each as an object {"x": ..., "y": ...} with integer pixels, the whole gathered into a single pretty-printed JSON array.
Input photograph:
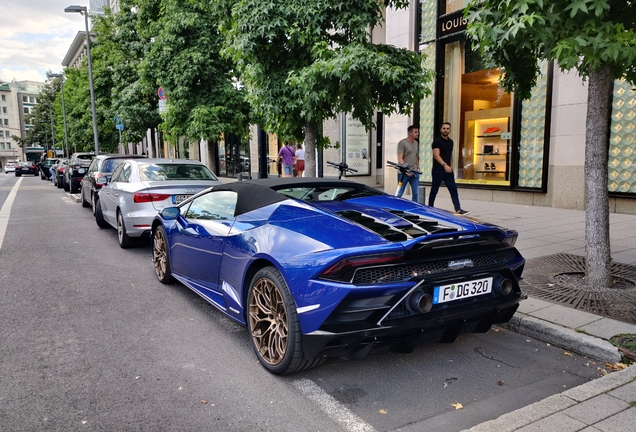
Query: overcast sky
[{"x": 35, "y": 36}]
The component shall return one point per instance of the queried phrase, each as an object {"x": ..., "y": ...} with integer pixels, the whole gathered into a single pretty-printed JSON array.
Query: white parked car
[
  {"x": 140, "y": 188},
  {"x": 9, "y": 167}
]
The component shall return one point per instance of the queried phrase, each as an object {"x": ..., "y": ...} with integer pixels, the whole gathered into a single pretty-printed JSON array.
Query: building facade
[
  {"x": 529, "y": 152},
  {"x": 17, "y": 100}
]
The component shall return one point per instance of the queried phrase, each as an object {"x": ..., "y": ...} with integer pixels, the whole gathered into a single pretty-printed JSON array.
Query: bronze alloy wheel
[
  {"x": 273, "y": 324},
  {"x": 268, "y": 321},
  {"x": 160, "y": 256}
]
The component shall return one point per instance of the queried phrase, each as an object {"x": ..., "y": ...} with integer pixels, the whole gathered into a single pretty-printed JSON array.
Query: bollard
[
  {"x": 421, "y": 191},
  {"x": 240, "y": 176}
]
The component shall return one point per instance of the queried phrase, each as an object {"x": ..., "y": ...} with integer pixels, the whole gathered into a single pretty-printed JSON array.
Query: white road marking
[
  {"x": 334, "y": 409},
  {"x": 5, "y": 212}
]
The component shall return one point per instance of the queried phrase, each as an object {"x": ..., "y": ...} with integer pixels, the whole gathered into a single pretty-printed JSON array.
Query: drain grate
[{"x": 559, "y": 279}]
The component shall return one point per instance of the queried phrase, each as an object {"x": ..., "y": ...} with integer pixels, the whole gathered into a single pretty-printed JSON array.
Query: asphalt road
[{"x": 90, "y": 340}]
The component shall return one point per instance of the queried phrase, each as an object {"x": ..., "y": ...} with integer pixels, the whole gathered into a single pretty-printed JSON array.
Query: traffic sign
[
  {"x": 162, "y": 94},
  {"x": 119, "y": 126}
]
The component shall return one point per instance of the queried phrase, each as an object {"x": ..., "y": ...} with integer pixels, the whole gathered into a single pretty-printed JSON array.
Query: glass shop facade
[{"x": 501, "y": 142}]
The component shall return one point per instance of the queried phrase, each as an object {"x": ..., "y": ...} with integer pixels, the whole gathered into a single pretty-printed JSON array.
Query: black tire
[
  {"x": 273, "y": 324},
  {"x": 161, "y": 257},
  {"x": 125, "y": 241},
  {"x": 72, "y": 188},
  {"x": 94, "y": 203},
  {"x": 58, "y": 183},
  {"x": 99, "y": 216},
  {"x": 65, "y": 185},
  {"x": 18, "y": 175},
  {"x": 85, "y": 203}
]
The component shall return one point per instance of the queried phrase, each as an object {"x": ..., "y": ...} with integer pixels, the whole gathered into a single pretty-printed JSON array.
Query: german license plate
[
  {"x": 462, "y": 290},
  {"x": 176, "y": 199}
]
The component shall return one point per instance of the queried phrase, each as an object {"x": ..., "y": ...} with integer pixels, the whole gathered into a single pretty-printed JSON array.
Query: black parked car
[
  {"x": 98, "y": 174},
  {"x": 74, "y": 173},
  {"x": 45, "y": 168},
  {"x": 60, "y": 167},
  {"x": 27, "y": 167}
]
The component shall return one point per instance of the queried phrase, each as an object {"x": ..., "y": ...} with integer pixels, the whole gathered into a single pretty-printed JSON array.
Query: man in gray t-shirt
[{"x": 407, "y": 152}]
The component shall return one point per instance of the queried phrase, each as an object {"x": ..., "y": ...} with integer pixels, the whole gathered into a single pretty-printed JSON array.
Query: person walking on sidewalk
[
  {"x": 299, "y": 166},
  {"x": 407, "y": 153},
  {"x": 442, "y": 171},
  {"x": 286, "y": 155}
]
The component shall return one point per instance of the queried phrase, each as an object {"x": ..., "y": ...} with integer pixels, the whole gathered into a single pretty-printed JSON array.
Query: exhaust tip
[
  {"x": 421, "y": 302},
  {"x": 505, "y": 287}
]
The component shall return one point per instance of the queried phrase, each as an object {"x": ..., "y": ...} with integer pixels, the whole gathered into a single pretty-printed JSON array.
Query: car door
[
  {"x": 88, "y": 181},
  {"x": 197, "y": 248},
  {"x": 109, "y": 195}
]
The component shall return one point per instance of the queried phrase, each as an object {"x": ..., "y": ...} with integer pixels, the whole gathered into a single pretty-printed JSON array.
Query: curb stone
[
  {"x": 580, "y": 343},
  {"x": 524, "y": 416}
]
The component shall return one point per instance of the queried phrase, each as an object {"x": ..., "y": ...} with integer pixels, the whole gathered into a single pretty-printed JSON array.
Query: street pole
[
  {"x": 52, "y": 129},
  {"x": 84, "y": 11},
  {"x": 61, "y": 77}
]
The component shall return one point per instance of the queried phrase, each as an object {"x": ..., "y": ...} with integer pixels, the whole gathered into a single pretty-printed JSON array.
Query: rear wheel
[
  {"x": 99, "y": 216},
  {"x": 273, "y": 324},
  {"x": 72, "y": 188},
  {"x": 65, "y": 184},
  {"x": 94, "y": 203},
  {"x": 160, "y": 256},
  {"x": 125, "y": 241},
  {"x": 85, "y": 203}
]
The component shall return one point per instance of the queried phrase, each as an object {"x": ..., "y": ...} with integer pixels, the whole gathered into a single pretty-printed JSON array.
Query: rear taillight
[
  {"x": 100, "y": 179},
  {"x": 342, "y": 270},
  {"x": 144, "y": 197},
  {"x": 60, "y": 170}
]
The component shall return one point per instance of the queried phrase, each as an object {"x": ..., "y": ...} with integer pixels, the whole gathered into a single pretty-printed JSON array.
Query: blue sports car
[{"x": 322, "y": 267}]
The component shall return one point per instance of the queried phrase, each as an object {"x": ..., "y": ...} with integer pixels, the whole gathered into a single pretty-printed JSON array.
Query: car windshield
[
  {"x": 49, "y": 162},
  {"x": 85, "y": 156},
  {"x": 324, "y": 193},
  {"x": 159, "y": 172}
]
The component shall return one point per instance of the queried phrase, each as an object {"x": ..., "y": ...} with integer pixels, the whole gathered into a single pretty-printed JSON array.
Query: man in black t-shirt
[{"x": 442, "y": 171}]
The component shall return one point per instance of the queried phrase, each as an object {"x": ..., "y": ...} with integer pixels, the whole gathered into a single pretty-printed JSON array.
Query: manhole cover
[{"x": 559, "y": 279}]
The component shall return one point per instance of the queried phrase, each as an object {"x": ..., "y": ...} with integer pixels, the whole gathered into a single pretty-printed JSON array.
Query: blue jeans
[
  {"x": 413, "y": 180},
  {"x": 449, "y": 181},
  {"x": 52, "y": 171}
]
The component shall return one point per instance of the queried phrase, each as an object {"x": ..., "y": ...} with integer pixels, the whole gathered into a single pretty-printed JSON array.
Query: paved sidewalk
[{"x": 606, "y": 404}]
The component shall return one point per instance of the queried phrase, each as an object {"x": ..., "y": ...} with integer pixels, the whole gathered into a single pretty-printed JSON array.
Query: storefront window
[
  {"x": 532, "y": 133},
  {"x": 479, "y": 111},
  {"x": 455, "y": 5},
  {"x": 622, "y": 151}
]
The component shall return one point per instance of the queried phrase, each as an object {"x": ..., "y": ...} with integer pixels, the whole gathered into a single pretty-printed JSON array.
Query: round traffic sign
[{"x": 162, "y": 95}]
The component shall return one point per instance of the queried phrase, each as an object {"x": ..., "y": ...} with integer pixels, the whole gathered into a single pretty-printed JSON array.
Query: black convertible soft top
[{"x": 254, "y": 194}]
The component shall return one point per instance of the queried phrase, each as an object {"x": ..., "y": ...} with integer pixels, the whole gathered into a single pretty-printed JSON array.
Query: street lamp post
[
  {"x": 61, "y": 77},
  {"x": 84, "y": 11},
  {"x": 52, "y": 128}
]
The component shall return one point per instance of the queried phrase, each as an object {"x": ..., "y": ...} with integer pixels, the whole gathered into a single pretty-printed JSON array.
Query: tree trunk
[
  {"x": 597, "y": 241},
  {"x": 311, "y": 131}
]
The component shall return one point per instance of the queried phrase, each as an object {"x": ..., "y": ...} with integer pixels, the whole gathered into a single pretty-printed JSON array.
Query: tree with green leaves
[
  {"x": 122, "y": 35},
  {"x": 204, "y": 101},
  {"x": 306, "y": 61},
  {"x": 39, "y": 119},
  {"x": 597, "y": 38}
]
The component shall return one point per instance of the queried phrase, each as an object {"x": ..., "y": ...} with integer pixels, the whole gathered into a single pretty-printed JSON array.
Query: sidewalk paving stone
[
  {"x": 624, "y": 421},
  {"x": 596, "y": 409},
  {"x": 565, "y": 316},
  {"x": 606, "y": 328}
]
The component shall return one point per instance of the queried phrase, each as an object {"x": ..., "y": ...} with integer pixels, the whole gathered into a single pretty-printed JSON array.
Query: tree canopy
[
  {"x": 305, "y": 61},
  {"x": 597, "y": 38}
]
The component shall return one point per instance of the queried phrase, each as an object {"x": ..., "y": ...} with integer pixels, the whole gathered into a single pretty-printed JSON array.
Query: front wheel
[
  {"x": 72, "y": 188},
  {"x": 160, "y": 257},
  {"x": 273, "y": 324}
]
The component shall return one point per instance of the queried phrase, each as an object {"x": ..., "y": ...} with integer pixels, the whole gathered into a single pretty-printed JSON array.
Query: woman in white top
[{"x": 299, "y": 166}]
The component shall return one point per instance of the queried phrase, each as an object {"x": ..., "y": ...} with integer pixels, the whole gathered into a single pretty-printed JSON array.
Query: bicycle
[
  {"x": 404, "y": 171},
  {"x": 342, "y": 167}
]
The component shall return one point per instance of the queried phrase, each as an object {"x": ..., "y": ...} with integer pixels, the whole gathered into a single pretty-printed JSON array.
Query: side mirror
[{"x": 170, "y": 213}]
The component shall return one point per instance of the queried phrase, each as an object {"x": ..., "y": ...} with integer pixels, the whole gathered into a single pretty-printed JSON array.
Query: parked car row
[{"x": 312, "y": 267}]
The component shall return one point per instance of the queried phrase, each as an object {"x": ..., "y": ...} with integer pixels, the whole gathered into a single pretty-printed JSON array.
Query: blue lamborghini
[{"x": 322, "y": 267}]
